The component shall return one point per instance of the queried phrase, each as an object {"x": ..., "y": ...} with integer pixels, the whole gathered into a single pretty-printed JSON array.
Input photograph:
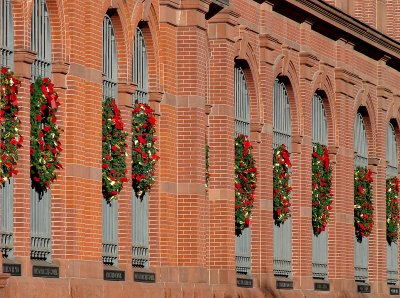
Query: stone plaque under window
[
  {"x": 45, "y": 271},
  {"x": 394, "y": 291},
  {"x": 364, "y": 288},
  {"x": 114, "y": 275},
  {"x": 140, "y": 276},
  {"x": 13, "y": 269},
  {"x": 321, "y": 286},
  {"x": 284, "y": 284},
  {"x": 244, "y": 282}
]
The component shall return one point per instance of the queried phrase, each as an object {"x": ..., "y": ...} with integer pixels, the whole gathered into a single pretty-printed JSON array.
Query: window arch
[
  {"x": 110, "y": 89},
  {"x": 41, "y": 67},
  {"x": 6, "y": 35},
  {"x": 319, "y": 136},
  {"x": 282, "y": 134},
  {"x": 242, "y": 126},
  {"x": 109, "y": 60},
  {"x": 360, "y": 160},
  {"x": 41, "y": 40},
  {"x": 140, "y": 207},
  {"x": 392, "y": 249}
]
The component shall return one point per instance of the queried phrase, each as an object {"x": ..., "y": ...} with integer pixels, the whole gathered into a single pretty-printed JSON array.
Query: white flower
[{"x": 112, "y": 183}]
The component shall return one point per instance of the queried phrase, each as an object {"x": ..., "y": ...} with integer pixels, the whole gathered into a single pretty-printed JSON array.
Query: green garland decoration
[
  {"x": 10, "y": 125},
  {"x": 321, "y": 188},
  {"x": 207, "y": 174},
  {"x": 114, "y": 151},
  {"x": 363, "y": 207},
  {"x": 144, "y": 151},
  {"x": 245, "y": 183},
  {"x": 392, "y": 209},
  {"x": 281, "y": 184},
  {"x": 45, "y": 145}
]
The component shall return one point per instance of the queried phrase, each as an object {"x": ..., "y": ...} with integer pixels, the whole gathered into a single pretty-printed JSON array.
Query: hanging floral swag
[
  {"x": 245, "y": 183},
  {"x": 45, "y": 134},
  {"x": 281, "y": 184},
  {"x": 321, "y": 188},
  {"x": 114, "y": 151},
  {"x": 10, "y": 125},
  {"x": 144, "y": 151},
  {"x": 363, "y": 209},
  {"x": 392, "y": 209},
  {"x": 207, "y": 174}
]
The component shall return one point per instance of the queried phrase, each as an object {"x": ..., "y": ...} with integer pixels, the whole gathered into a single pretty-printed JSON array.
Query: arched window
[
  {"x": 7, "y": 60},
  {"x": 320, "y": 242},
  {"x": 360, "y": 160},
  {"x": 242, "y": 126},
  {"x": 41, "y": 67},
  {"x": 140, "y": 225},
  {"x": 110, "y": 89},
  {"x": 41, "y": 40},
  {"x": 392, "y": 249},
  {"x": 282, "y": 134},
  {"x": 6, "y": 35}
]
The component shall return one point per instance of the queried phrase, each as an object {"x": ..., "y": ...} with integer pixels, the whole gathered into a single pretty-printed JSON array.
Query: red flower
[
  {"x": 105, "y": 166},
  {"x": 114, "y": 148},
  {"x": 151, "y": 120},
  {"x": 4, "y": 70},
  {"x": 38, "y": 117},
  {"x": 46, "y": 128},
  {"x": 124, "y": 179}
]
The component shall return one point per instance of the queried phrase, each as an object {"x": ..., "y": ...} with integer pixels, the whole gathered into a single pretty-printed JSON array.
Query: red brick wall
[{"x": 191, "y": 62}]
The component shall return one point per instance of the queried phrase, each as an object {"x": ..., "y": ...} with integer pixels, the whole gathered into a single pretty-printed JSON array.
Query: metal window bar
[
  {"x": 140, "y": 207},
  {"x": 320, "y": 242},
  {"x": 140, "y": 68},
  {"x": 41, "y": 40},
  {"x": 6, "y": 193},
  {"x": 361, "y": 159},
  {"x": 7, "y": 227},
  {"x": 6, "y": 35},
  {"x": 392, "y": 249},
  {"x": 242, "y": 126},
  {"x": 41, "y": 67},
  {"x": 282, "y": 134},
  {"x": 41, "y": 225},
  {"x": 110, "y": 89}
]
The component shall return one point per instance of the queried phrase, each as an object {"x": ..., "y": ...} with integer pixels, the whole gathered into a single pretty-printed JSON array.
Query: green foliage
[
  {"x": 10, "y": 125},
  {"x": 321, "y": 188},
  {"x": 45, "y": 134},
  {"x": 363, "y": 208},
  {"x": 144, "y": 151},
  {"x": 392, "y": 209},
  {"x": 281, "y": 184},
  {"x": 245, "y": 183}
]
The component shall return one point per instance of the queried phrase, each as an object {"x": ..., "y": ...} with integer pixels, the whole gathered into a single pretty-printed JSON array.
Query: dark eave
[{"x": 336, "y": 24}]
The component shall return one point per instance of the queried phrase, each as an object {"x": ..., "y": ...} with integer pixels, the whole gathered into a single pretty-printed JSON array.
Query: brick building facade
[{"x": 345, "y": 52}]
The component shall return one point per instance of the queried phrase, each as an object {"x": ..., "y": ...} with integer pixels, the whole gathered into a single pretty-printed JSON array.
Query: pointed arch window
[
  {"x": 140, "y": 207},
  {"x": 360, "y": 160},
  {"x": 242, "y": 126},
  {"x": 41, "y": 67},
  {"x": 320, "y": 242},
  {"x": 282, "y": 134},
  {"x": 392, "y": 249},
  {"x": 110, "y": 89}
]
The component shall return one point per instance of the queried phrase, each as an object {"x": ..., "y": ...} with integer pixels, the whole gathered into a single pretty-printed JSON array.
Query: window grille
[
  {"x": 6, "y": 35},
  {"x": 282, "y": 134},
  {"x": 140, "y": 226},
  {"x": 242, "y": 126},
  {"x": 110, "y": 89},
  {"x": 361, "y": 159},
  {"x": 6, "y": 193},
  {"x": 392, "y": 249},
  {"x": 41, "y": 67},
  {"x": 320, "y": 242},
  {"x": 41, "y": 40}
]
